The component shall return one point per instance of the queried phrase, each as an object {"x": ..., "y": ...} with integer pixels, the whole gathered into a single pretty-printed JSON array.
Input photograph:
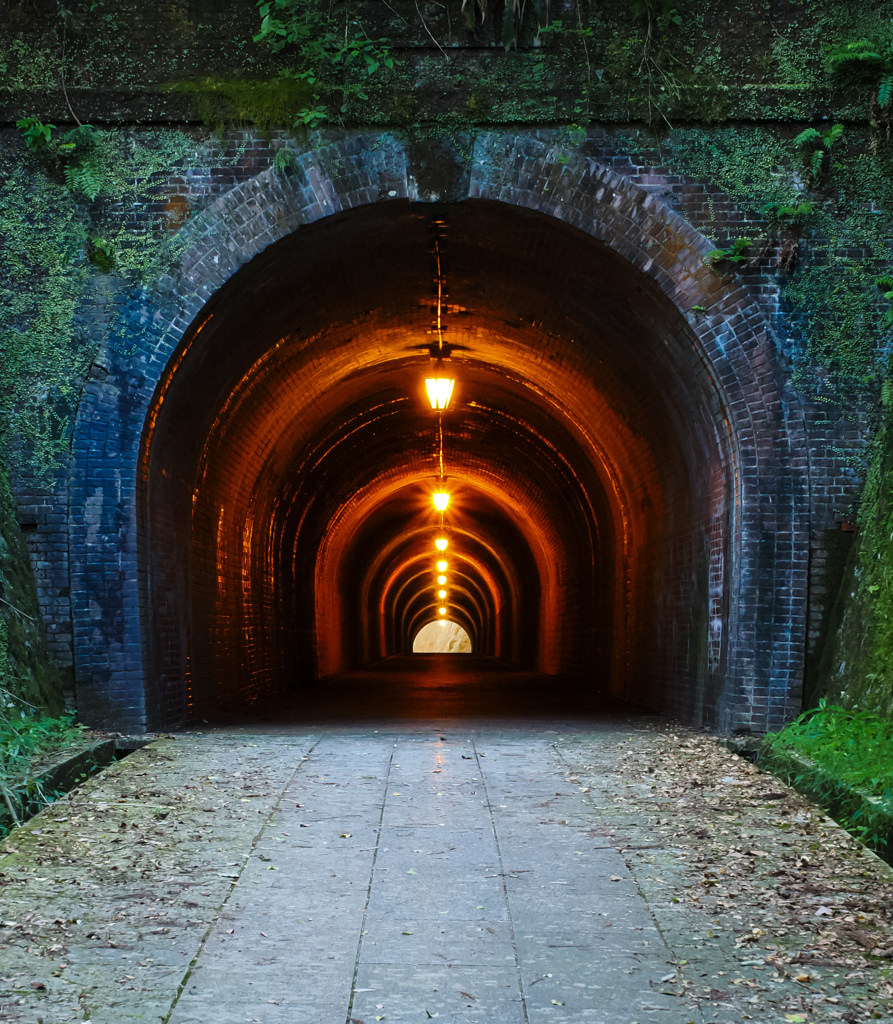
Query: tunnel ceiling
[{"x": 290, "y": 456}]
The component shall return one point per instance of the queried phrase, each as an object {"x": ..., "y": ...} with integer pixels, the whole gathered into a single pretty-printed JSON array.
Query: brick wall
[{"x": 708, "y": 478}]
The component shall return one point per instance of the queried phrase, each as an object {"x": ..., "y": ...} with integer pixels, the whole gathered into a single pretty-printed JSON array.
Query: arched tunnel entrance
[{"x": 289, "y": 460}]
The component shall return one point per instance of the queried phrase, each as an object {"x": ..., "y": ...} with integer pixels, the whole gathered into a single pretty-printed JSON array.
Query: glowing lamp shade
[
  {"x": 440, "y": 391},
  {"x": 442, "y": 611},
  {"x": 441, "y": 500},
  {"x": 441, "y": 566},
  {"x": 441, "y": 543},
  {"x": 441, "y": 580},
  {"x": 441, "y": 594}
]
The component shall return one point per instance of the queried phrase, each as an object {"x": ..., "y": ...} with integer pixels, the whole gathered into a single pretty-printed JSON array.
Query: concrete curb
[
  {"x": 58, "y": 778},
  {"x": 843, "y": 802}
]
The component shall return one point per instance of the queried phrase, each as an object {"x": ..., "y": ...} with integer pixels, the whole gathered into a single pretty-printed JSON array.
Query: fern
[
  {"x": 284, "y": 159},
  {"x": 735, "y": 253},
  {"x": 779, "y": 213},
  {"x": 865, "y": 62},
  {"x": 814, "y": 148},
  {"x": 84, "y": 178}
]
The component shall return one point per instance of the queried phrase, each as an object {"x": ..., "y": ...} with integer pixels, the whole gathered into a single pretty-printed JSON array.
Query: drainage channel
[{"x": 20, "y": 803}]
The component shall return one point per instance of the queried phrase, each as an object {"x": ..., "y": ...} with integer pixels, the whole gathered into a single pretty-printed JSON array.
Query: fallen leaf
[
  {"x": 669, "y": 977},
  {"x": 616, "y": 878},
  {"x": 467, "y": 995},
  {"x": 556, "y": 1003}
]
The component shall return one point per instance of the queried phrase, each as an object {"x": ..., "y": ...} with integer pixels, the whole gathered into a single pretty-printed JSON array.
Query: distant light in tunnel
[
  {"x": 441, "y": 580},
  {"x": 441, "y": 566},
  {"x": 440, "y": 390},
  {"x": 441, "y": 543},
  {"x": 441, "y": 594},
  {"x": 441, "y": 500},
  {"x": 442, "y": 611}
]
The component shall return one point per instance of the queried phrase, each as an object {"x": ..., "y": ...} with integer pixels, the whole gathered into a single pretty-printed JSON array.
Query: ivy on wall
[{"x": 68, "y": 240}]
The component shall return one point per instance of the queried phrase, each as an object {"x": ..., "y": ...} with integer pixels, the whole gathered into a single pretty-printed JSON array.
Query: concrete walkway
[{"x": 613, "y": 873}]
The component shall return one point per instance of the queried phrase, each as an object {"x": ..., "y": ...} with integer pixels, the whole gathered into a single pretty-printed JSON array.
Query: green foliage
[
  {"x": 26, "y": 739},
  {"x": 850, "y": 747},
  {"x": 858, "y": 662},
  {"x": 855, "y": 746},
  {"x": 866, "y": 62},
  {"x": 284, "y": 159},
  {"x": 74, "y": 155},
  {"x": 814, "y": 149},
  {"x": 101, "y": 253},
  {"x": 332, "y": 51},
  {"x": 646, "y": 62},
  {"x": 37, "y": 135},
  {"x": 885, "y": 284},
  {"x": 54, "y": 244},
  {"x": 235, "y": 101},
  {"x": 786, "y": 214},
  {"x": 735, "y": 253}
]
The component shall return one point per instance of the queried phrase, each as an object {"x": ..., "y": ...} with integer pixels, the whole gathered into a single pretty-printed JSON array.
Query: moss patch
[{"x": 26, "y": 672}]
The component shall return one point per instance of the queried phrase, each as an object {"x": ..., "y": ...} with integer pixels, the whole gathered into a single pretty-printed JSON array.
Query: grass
[
  {"x": 851, "y": 751},
  {"x": 855, "y": 747},
  {"x": 27, "y": 739}
]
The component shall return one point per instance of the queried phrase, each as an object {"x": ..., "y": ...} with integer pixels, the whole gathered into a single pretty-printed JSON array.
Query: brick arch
[{"x": 762, "y": 522}]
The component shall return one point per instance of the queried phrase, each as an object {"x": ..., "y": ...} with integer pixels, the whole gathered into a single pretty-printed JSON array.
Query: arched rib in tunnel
[{"x": 290, "y": 457}]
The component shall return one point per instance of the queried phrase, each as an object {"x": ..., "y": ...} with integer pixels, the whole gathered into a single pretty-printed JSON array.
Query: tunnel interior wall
[
  {"x": 725, "y": 541},
  {"x": 269, "y": 489}
]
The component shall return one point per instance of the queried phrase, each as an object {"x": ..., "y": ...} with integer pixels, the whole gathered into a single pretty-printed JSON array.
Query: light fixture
[
  {"x": 442, "y": 611},
  {"x": 441, "y": 594},
  {"x": 441, "y": 566},
  {"x": 441, "y": 500},
  {"x": 441, "y": 580},
  {"x": 440, "y": 390},
  {"x": 439, "y": 385},
  {"x": 441, "y": 543}
]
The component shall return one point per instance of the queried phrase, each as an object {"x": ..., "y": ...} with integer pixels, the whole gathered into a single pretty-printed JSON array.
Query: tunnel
[{"x": 289, "y": 459}]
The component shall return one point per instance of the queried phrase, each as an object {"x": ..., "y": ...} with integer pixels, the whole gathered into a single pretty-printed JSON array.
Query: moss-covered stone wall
[{"x": 27, "y": 672}]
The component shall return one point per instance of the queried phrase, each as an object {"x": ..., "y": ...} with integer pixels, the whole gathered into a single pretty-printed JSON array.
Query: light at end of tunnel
[
  {"x": 441, "y": 594},
  {"x": 442, "y": 611},
  {"x": 441, "y": 543},
  {"x": 441, "y": 580},
  {"x": 440, "y": 390},
  {"x": 441, "y": 566},
  {"x": 441, "y": 500}
]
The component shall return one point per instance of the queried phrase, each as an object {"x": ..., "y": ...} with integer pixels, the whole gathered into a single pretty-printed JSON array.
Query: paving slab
[{"x": 624, "y": 872}]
